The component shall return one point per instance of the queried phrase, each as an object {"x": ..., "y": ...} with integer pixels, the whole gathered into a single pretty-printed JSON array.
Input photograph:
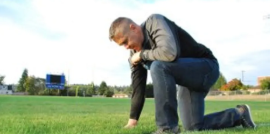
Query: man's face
[{"x": 131, "y": 40}]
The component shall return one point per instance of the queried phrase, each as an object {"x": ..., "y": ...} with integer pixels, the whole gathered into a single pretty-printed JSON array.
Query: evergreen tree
[
  {"x": 103, "y": 87},
  {"x": 22, "y": 81}
]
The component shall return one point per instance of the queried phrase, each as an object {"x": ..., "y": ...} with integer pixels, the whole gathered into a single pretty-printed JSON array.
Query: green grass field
[{"x": 71, "y": 115}]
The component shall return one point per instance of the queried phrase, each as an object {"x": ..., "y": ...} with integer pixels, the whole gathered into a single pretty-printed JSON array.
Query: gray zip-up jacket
[{"x": 164, "y": 41}]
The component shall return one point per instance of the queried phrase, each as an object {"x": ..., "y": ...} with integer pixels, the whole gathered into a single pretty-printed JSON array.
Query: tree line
[
  {"x": 36, "y": 86},
  {"x": 236, "y": 84}
]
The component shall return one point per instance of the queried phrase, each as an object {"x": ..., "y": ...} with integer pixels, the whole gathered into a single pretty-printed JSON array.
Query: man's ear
[{"x": 132, "y": 26}]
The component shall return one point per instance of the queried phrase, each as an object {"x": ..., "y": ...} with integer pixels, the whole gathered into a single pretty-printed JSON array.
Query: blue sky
[{"x": 71, "y": 36}]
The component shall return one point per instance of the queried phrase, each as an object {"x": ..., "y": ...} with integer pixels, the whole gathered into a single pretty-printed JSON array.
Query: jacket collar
[{"x": 145, "y": 44}]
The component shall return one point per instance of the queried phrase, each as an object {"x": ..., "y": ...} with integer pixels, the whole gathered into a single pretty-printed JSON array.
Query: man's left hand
[
  {"x": 131, "y": 123},
  {"x": 135, "y": 59}
]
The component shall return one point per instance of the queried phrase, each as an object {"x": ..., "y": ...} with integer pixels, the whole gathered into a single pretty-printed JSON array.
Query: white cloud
[{"x": 230, "y": 28}]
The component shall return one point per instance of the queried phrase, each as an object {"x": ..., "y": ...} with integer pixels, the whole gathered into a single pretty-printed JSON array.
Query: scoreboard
[{"x": 55, "y": 81}]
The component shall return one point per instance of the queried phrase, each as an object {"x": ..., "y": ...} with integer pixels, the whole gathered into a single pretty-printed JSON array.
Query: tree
[
  {"x": 108, "y": 92},
  {"x": 22, "y": 81},
  {"x": 219, "y": 83},
  {"x": 2, "y": 80},
  {"x": 103, "y": 87},
  {"x": 233, "y": 85},
  {"x": 34, "y": 85},
  {"x": 77, "y": 90},
  {"x": 128, "y": 90},
  {"x": 245, "y": 87},
  {"x": 29, "y": 85},
  {"x": 91, "y": 89},
  {"x": 149, "y": 90},
  {"x": 39, "y": 85},
  {"x": 224, "y": 88},
  {"x": 265, "y": 84}
]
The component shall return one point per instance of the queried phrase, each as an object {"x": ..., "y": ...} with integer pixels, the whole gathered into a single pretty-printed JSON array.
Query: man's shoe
[
  {"x": 246, "y": 119},
  {"x": 175, "y": 130}
]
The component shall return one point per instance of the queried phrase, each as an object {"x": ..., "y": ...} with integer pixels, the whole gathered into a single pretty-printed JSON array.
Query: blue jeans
[{"x": 196, "y": 76}]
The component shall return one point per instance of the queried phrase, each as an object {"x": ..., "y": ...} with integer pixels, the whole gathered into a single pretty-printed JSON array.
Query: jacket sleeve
[
  {"x": 164, "y": 38},
  {"x": 138, "y": 77}
]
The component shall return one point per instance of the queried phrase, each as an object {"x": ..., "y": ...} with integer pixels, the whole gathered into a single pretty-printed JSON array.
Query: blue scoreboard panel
[{"x": 55, "y": 81}]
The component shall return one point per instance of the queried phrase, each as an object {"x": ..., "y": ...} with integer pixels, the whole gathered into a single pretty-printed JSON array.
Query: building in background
[
  {"x": 259, "y": 79},
  {"x": 120, "y": 96},
  {"x": 6, "y": 89}
]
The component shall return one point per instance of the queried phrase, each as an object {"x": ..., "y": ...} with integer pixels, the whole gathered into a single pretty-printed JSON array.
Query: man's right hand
[{"x": 131, "y": 123}]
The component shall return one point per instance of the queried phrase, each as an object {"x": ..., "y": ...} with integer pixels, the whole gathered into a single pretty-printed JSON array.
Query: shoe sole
[{"x": 249, "y": 113}]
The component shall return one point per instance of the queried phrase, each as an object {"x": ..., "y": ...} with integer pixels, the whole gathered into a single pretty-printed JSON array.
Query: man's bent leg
[
  {"x": 165, "y": 96},
  {"x": 191, "y": 72},
  {"x": 191, "y": 108},
  {"x": 198, "y": 75}
]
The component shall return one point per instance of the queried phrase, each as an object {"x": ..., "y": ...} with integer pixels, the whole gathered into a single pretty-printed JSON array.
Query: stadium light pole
[{"x": 243, "y": 76}]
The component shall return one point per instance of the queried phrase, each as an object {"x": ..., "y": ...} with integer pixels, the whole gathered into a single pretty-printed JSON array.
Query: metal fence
[{"x": 238, "y": 92}]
